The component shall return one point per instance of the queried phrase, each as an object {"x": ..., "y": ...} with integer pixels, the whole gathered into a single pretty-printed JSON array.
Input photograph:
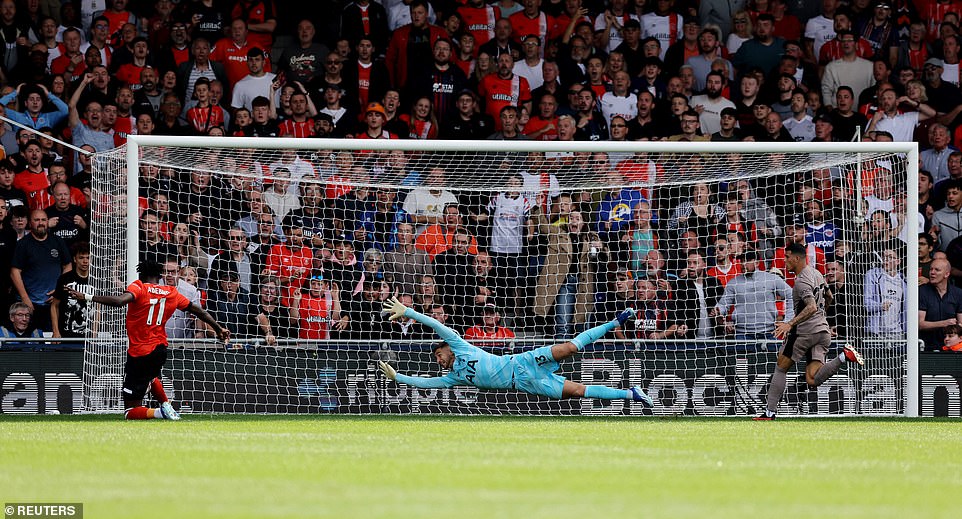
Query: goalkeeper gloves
[
  {"x": 386, "y": 368},
  {"x": 394, "y": 309}
]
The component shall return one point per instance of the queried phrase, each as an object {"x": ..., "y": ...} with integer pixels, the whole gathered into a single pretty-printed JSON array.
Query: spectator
[
  {"x": 531, "y": 62},
  {"x": 452, "y": 269},
  {"x": 710, "y": 105},
  {"x": 366, "y": 77},
  {"x": 489, "y": 333},
  {"x": 232, "y": 307},
  {"x": 696, "y": 295},
  {"x": 800, "y": 125},
  {"x": 764, "y": 50},
  {"x": 468, "y": 123},
  {"x": 885, "y": 295},
  {"x": 255, "y": 84},
  {"x": 273, "y": 320},
  {"x": 901, "y": 125},
  {"x": 302, "y": 62},
  {"x": 940, "y": 305},
  {"x": 405, "y": 264},
  {"x": 290, "y": 262},
  {"x": 953, "y": 338},
  {"x": 38, "y": 261},
  {"x": 182, "y": 324},
  {"x": 68, "y": 315},
  {"x": 709, "y": 51},
  {"x": 232, "y": 52},
  {"x": 753, "y": 296},
  {"x": 662, "y": 23},
  {"x": 411, "y": 45},
  {"x": 926, "y": 246},
  {"x": 698, "y": 213},
  {"x": 36, "y": 101},
  {"x": 200, "y": 66},
  {"x": 655, "y": 318},
  {"x": 947, "y": 222},
  {"x": 68, "y": 221},
  {"x": 365, "y": 320},
  {"x": 236, "y": 258},
  {"x": 935, "y": 160},
  {"x": 261, "y": 21},
  {"x": 425, "y": 205},
  {"x": 21, "y": 324}
]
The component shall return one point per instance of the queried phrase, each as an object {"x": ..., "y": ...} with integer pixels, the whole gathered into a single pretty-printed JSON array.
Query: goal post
[{"x": 722, "y": 373}]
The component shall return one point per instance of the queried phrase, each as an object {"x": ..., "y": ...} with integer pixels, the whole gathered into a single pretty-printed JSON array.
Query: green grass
[{"x": 347, "y": 467}]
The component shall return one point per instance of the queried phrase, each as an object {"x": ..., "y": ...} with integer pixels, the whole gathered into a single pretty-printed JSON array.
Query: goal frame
[{"x": 910, "y": 149}]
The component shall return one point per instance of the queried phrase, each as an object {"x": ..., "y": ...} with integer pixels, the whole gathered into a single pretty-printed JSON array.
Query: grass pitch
[{"x": 346, "y": 467}]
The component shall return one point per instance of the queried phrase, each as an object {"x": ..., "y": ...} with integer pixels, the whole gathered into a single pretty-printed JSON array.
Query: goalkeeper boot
[
  {"x": 852, "y": 355},
  {"x": 624, "y": 315},
  {"x": 639, "y": 395},
  {"x": 167, "y": 411}
]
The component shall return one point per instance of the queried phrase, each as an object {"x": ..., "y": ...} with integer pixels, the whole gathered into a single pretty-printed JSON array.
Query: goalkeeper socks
[
  {"x": 777, "y": 387},
  {"x": 157, "y": 389},
  {"x": 591, "y": 335},
  {"x": 607, "y": 393},
  {"x": 828, "y": 369}
]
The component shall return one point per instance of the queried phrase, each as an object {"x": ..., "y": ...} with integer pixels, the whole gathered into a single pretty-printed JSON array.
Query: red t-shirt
[
  {"x": 33, "y": 184},
  {"x": 537, "y": 123},
  {"x": 314, "y": 312},
  {"x": 479, "y": 21},
  {"x": 203, "y": 119},
  {"x": 147, "y": 315},
  {"x": 254, "y": 13},
  {"x": 129, "y": 73},
  {"x": 282, "y": 261},
  {"x": 497, "y": 93},
  {"x": 292, "y": 128},
  {"x": 234, "y": 59},
  {"x": 482, "y": 337}
]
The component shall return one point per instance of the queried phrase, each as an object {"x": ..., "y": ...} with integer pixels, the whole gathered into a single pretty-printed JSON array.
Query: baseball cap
[
  {"x": 255, "y": 52},
  {"x": 824, "y": 118},
  {"x": 935, "y": 62},
  {"x": 731, "y": 112},
  {"x": 376, "y": 107}
]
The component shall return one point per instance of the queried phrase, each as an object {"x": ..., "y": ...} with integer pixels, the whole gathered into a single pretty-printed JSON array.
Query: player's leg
[
  {"x": 817, "y": 375},
  {"x": 578, "y": 390},
  {"x": 777, "y": 386},
  {"x": 139, "y": 373},
  {"x": 593, "y": 334},
  {"x": 157, "y": 390}
]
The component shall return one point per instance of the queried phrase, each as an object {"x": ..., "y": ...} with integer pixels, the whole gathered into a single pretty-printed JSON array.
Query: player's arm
[
  {"x": 782, "y": 328},
  {"x": 420, "y": 382},
  {"x": 222, "y": 333},
  {"x": 116, "y": 301},
  {"x": 396, "y": 310}
]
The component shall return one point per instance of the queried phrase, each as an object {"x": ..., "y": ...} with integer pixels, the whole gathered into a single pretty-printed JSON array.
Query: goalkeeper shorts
[{"x": 534, "y": 373}]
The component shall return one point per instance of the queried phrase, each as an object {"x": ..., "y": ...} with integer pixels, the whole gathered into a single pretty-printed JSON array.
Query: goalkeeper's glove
[
  {"x": 394, "y": 309},
  {"x": 388, "y": 371}
]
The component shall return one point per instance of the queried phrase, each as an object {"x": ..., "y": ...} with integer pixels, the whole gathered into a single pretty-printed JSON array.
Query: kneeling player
[
  {"x": 149, "y": 306},
  {"x": 807, "y": 335},
  {"x": 532, "y": 371}
]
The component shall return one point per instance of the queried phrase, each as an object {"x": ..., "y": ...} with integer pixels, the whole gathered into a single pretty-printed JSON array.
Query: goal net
[{"x": 293, "y": 244}]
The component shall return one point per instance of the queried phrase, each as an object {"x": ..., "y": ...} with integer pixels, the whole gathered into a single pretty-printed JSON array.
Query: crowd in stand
[{"x": 303, "y": 249}]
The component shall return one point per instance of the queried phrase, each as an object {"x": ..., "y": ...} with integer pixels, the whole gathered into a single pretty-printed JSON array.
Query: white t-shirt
[
  {"x": 507, "y": 223},
  {"x": 299, "y": 169},
  {"x": 533, "y": 74},
  {"x": 802, "y": 131},
  {"x": 662, "y": 28},
  {"x": 950, "y": 74},
  {"x": 710, "y": 117},
  {"x": 250, "y": 87},
  {"x": 421, "y": 202},
  {"x": 820, "y": 30},
  {"x": 625, "y": 106},
  {"x": 902, "y": 126},
  {"x": 614, "y": 36},
  {"x": 532, "y": 185}
]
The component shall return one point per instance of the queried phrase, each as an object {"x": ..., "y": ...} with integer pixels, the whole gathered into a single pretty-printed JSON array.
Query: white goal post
[{"x": 713, "y": 383}]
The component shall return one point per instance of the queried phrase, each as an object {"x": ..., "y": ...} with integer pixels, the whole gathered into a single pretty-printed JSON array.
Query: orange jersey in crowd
[
  {"x": 314, "y": 313},
  {"x": 496, "y": 93},
  {"x": 147, "y": 315}
]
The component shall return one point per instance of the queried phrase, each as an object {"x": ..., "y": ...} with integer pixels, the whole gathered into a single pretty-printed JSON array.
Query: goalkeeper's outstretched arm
[
  {"x": 421, "y": 382},
  {"x": 396, "y": 310}
]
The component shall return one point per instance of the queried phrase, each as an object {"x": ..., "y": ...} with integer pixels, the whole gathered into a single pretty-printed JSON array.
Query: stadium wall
[{"x": 338, "y": 380}]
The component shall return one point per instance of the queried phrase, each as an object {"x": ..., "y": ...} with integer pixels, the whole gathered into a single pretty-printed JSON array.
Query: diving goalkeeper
[{"x": 531, "y": 372}]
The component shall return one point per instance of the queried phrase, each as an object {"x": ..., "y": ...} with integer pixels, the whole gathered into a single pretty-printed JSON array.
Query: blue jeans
[{"x": 565, "y": 307}]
